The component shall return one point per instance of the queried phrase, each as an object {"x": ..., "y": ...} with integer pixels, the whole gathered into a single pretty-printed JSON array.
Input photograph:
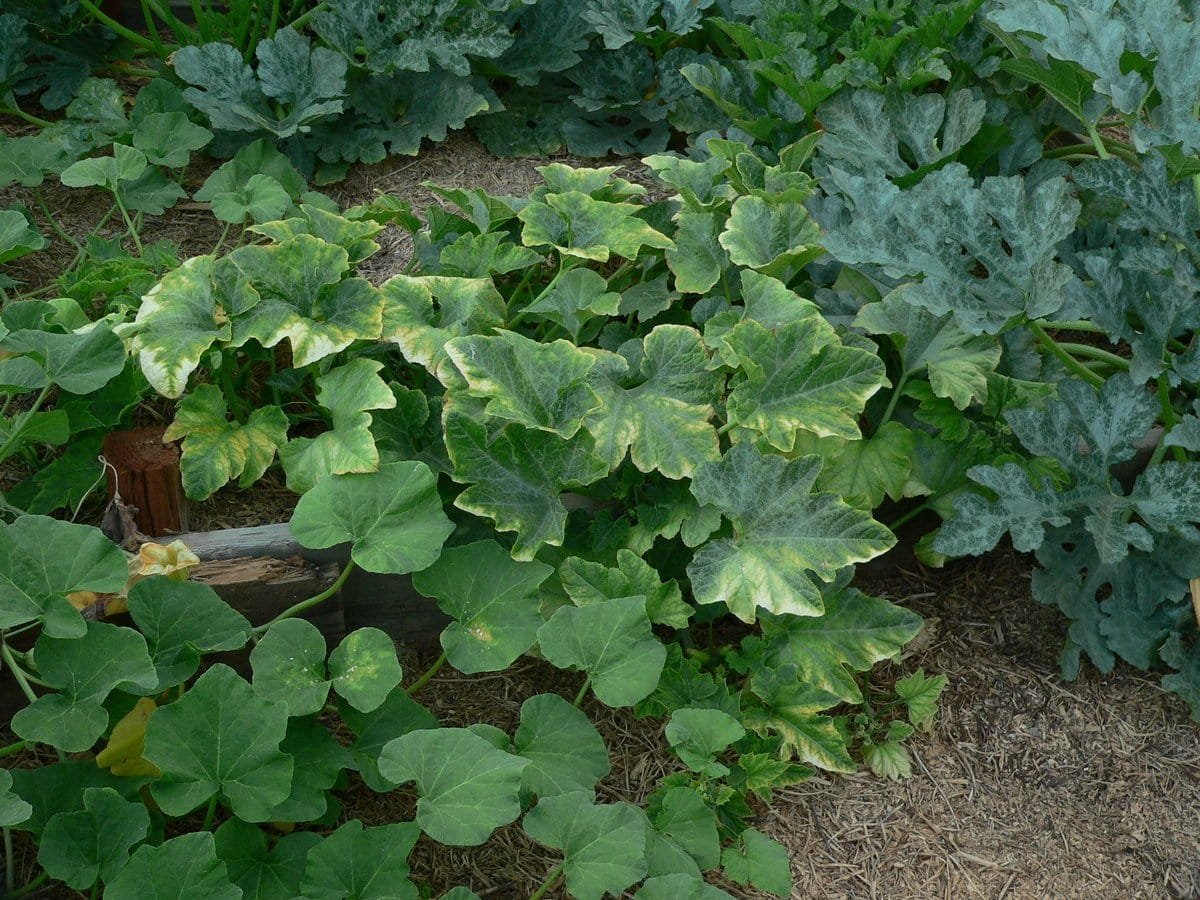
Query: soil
[{"x": 1027, "y": 786}]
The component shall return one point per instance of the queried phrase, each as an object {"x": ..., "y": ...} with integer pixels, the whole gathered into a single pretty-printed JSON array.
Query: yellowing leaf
[{"x": 122, "y": 755}]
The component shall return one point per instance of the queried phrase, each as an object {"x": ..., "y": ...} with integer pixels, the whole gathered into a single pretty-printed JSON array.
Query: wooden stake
[
  {"x": 1194, "y": 584},
  {"x": 145, "y": 473}
]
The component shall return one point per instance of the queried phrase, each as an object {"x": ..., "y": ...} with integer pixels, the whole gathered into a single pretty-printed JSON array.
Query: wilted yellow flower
[{"x": 174, "y": 560}]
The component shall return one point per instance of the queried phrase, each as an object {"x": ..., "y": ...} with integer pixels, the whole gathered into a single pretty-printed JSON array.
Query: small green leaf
[
  {"x": 126, "y": 164},
  {"x": 771, "y": 237},
  {"x": 364, "y": 668},
  {"x": 289, "y": 667},
  {"x": 574, "y": 299},
  {"x": 13, "y": 810},
  {"x": 85, "y": 670},
  {"x": 920, "y": 694},
  {"x": 792, "y": 709},
  {"x": 681, "y": 815},
  {"x": 564, "y": 750},
  {"x": 17, "y": 237},
  {"x": 698, "y": 259},
  {"x": 263, "y": 873},
  {"x": 261, "y": 199},
  {"x": 182, "y": 620},
  {"x": 590, "y": 582},
  {"x": 756, "y": 859},
  {"x": 393, "y": 518},
  {"x": 889, "y": 759},
  {"x": 217, "y": 450},
  {"x": 168, "y": 138},
  {"x": 579, "y": 225},
  {"x": 612, "y": 642},
  {"x": 189, "y": 741},
  {"x": 493, "y": 600},
  {"x": 363, "y": 863},
  {"x": 398, "y": 715},
  {"x": 93, "y": 843},
  {"x": 700, "y": 735},
  {"x": 467, "y": 787},
  {"x": 79, "y": 362},
  {"x": 422, "y": 329},
  {"x": 603, "y": 846},
  {"x": 679, "y": 887},
  {"x": 183, "y": 868}
]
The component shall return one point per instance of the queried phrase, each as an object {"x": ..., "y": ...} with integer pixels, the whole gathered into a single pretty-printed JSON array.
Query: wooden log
[
  {"x": 145, "y": 472},
  {"x": 261, "y": 588},
  {"x": 387, "y": 602}
]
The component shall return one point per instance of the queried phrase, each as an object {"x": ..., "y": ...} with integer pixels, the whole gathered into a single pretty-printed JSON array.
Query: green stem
[
  {"x": 297, "y": 608},
  {"x": 117, "y": 28},
  {"x": 551, "y": 880},
  {"x": 221, "y": 239},
  {"x": 274, "y": 22},
  {"x": 18, "y": 425},
  {"x": 1072, "y": 365},
  {"x": 131, "y": 228},
  {"x": 908, "y": 516},
  {"x": 895, "y": 398},
  {"x": 516, "y": 320},
  {"x": 10, "y": 875},
  {"x": 1170, "y": 419},
  {"x": 210, "y": 813},
  {"x": 1116, "y": 148},
  {"x": 426, "y": 676},
  {"x": 726, "y": 428},
  {"x": 1089, "y": 352},
  {"x": 24, "y": 116},
  {"x": 302, "y": 21},
  {"x": 1078, "y": 325},
  {"x": 1097, "y": 142},
  {"x": 14, "y": 748},
  {"x": 54, "y": 224},
  {"x": 27, "y": 889},
  {"x": 152, "y": 30},
  {"x": 583, "y": 689},
  {"x": 183, "y": 32}
]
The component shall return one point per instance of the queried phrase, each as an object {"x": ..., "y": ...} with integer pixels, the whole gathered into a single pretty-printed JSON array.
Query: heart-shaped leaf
[
  {"x": 93, "y": 843},
  {"x": 363, "y": 668},
  {"x": 564, "y": 750},
  {"x": 183, "y": 868},
  {"x": 370, "y": 863}
]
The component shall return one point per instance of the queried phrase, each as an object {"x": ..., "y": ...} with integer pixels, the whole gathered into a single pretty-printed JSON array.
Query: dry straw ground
[{"x": 1028, "y": 787}]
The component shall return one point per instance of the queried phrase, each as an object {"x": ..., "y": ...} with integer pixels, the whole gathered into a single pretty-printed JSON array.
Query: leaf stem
[
  {"x": 13, "y": 748},
  {"x": 19, "y": 113},
  {"x": 1079, "y": 325},
  {"x": 1090, "y": 352},
  {"x": 302, "y": 21},
  {"x": 117, "y": 28},
  {"x": 426, "y": 676},
  {"x": 583, "y": 689},
  {"x": 895, "y": 398},
  {"x": 1071, "y": 363},
  {"x": 10, "y": 876},
  {"x": 209, "y": 814},
  {"x": 297, "y": 608},
  {"x": 1170, "y": 419},
  {"x": 1097, "y": 141},
  {"x": 221, "y": 239},
  {"x": 19, "y": 422},
  {"x": 53, "y": 222},
  {"x": 909, "y": 516},
  {"x": 17, "y": 671},
  {"x": 27, "y": 889},
  {"x": 132, "y": 229},
  {"x": 546, "y": 885}
]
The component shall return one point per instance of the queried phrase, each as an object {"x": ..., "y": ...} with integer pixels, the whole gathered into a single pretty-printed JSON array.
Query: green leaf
[
  {"x": 564, "y": 750},
  {"x": 574, "y": 299},
  {"x": 590, "y": 582},
  {"x": 516, "y": 477},
  {"x": 93, "y": 843},
  {"x": 770, "y": 237},
  {"x": 660, "y": 414},
  {"x": 263, "y": 873},
  {"x": 493, "y": 600},
  {"x": 421, "y": 330},
  {"x": 183, "y": 868},
  {"x": 888, "y": 759},
  {"x": 261, "y": 199},
  {"x": 303, "y": 83},
  {"x": 318, "y": 761},
  {"x": 14, "y": 810},
  {"x": 85, "y": 670},
  {"x": 393, "y": 518},
  {"x": 59, "y": 787},
  {"x": 577, "y": 225},
  {"x": 217, "y": 450},
  {"x": 42, "y": 560},
  {"x": 603, "y": 846},
  {"x": 862, "y": 472},
  {"x": 257, "y": 158},
  {"x": 80, "y": 362},
  {"x": 539, "y": 385},
  {"x": 782, "y": 532},
  {"x": 364, "y": 668},
  {"x": 220, "y": 738},
  {"x": 800, "y": 376},
  {"x": 348, "y": 392},
  {"x": 305, "y": 298},
  {"x": 364, "y": 863},
  {"x": 398, "y": 715},
  {"x": 698, "y": 259},
  {"x": 289, "y": 667},
  {"x": 182, "y": 620},
  {"x": 682, "y": 816},
  {"x": 679, "y": 887},
  {"x": 758, "y": 860},
  {"x": 467, "y": 787},
  {"x": 182, "y": 316},
  {"x": 481, "y": 255},
  {"x": 612, "y": 642},
  {"x": 920, "y": 694},
  {"x": 126, "y": 164},
  {"x": 984, "y": 253},
  {"x": 700, "y": 735},
  {"x": 791, "y": 708},
  {"x": 17, "y": 238},
  {"x": 352, "y": 235},
  {"x": 168, "y": 138},
  {"x": 958, "y": 364},
  {"x": 856, "y": 632}
]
